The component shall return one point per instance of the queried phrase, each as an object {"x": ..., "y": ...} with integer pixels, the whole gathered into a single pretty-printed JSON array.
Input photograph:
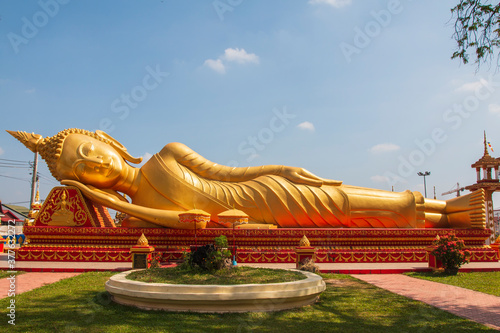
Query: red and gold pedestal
[
  {"x": 142, "y": 254},
  {"x": 304, "y": 252},
  {"x": 72, "y": 228},
  {"x": 434, "y": 262}
]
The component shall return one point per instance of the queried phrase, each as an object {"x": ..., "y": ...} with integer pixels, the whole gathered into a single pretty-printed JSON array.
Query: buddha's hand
[
  {"x": 92, "y": 192},
  {"x": 302, "y": 176}
]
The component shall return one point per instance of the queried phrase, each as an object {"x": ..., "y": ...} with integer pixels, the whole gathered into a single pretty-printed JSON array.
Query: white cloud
[
  {"x": 333, "y": 3},
  {"x": 252, "y": 157},
  {"x": 1, "y": 151},
  {"x": 145, "y": 158},
  {"x": 473, "y": 86},
  {"x": 384, "y": 148},
  {"x": 216, "y": 65},
  {"x": 240, "y": 56},
  {"x": 379, "y": 179},
  {"x": 307, "y": 126},
  {"x": 494, "y": 108}
]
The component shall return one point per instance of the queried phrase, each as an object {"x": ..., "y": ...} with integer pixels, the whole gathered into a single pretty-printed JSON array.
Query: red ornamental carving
[{"x": 66, "y": 207}]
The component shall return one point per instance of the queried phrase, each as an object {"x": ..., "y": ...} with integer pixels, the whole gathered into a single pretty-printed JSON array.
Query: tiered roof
[{"x": 486, "y": 160}]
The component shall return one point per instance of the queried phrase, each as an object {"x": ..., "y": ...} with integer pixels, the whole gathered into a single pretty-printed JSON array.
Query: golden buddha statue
[{"x": 178, "y": 179}]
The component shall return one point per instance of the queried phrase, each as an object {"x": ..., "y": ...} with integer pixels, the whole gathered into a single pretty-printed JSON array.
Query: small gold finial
[
  {"x": 142, "y": 241},
  {"x": 437, "y": 238},
  {"x": 304, "y": 242}
]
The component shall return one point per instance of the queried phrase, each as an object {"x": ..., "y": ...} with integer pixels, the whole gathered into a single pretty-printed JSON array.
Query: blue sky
[{"x": 359, "y": 91}]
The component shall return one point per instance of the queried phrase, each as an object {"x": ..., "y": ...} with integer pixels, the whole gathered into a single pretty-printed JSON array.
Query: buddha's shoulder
[{"x": 175, "y": 148}]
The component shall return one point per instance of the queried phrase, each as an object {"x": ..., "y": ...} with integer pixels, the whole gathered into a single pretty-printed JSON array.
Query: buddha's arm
[
  {"x": 210, "y": 170},
  {"x": 166, "y": 218}
]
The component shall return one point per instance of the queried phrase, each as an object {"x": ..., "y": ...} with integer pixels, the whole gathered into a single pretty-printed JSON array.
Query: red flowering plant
[
  {"x": 155, "y": 261},
  {"x": 451, "y": 252}
]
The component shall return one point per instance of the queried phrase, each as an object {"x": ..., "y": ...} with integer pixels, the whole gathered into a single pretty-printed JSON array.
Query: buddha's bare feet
[
  {"x": 468, "y": 211},
  {"x": 436, "y": 220}
]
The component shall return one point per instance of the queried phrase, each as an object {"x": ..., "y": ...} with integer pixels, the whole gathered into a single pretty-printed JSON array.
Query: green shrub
[
  {"x": 451, "y": 252},
  {"x": 212, "y": 257}
]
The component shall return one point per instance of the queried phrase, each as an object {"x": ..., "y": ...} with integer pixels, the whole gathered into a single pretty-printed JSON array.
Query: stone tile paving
[
  {"x": 473, "y": 305},
  {"x": 29, "y": 281}
]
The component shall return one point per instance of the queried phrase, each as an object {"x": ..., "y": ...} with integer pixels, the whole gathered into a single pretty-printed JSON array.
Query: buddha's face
[{"x": 90, "y": 161}]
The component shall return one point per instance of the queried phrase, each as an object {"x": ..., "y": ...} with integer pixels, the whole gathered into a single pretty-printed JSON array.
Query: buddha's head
[{"x": 92, "y": 158}]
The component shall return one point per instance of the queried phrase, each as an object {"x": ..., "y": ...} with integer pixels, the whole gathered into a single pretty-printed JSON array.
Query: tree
[{"x": 477, "y": 30}]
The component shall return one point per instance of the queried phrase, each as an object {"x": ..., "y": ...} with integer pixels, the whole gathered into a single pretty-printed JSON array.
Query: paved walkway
[
  {"x": 29, "y": 281},
  {"x": 473, "y": 305}
]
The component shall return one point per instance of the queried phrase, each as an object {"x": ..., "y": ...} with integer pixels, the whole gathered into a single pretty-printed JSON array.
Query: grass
[
  {"x": 6, "y": 274},
  {"x": 485, "y": 282},
  {"x": 80, "y": 304},
  {"x": 239, "y": 275}
]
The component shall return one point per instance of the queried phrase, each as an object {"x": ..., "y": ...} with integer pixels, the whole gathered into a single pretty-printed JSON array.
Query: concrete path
[
  {"x": 473, "y": 305},
  {"x": 29, "y": 281}
]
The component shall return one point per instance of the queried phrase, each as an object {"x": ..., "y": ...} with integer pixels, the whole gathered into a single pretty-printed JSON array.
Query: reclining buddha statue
[{"x": 178, "y": 179}]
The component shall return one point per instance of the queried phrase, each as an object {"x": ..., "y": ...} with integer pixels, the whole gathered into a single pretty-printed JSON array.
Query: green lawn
[
  {"x": 80, "y": 304},
  {"x": 239, "y": 275},
  {"x": 486, "y": 282},
  {"x": 6, "y": 274}
]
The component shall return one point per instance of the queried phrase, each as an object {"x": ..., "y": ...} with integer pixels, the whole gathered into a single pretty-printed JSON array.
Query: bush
[
  {"x": 211, "y": 257},
  {"x": 201, "y": 256},
  {"x": 451, "y": 252},
  {"x": 220, "y": 242},
  {"x": 155, "y": 261}
]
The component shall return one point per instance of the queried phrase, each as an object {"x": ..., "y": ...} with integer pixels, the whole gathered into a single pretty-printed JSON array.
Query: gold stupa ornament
[
  {"x": 304, "y": 242},
  {"x": 142, "y": 241},
  {"x": 35, "y": 209}
]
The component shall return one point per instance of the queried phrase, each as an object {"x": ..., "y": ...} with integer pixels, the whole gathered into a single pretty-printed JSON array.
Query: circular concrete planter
[{"x": 215, "y": 298}]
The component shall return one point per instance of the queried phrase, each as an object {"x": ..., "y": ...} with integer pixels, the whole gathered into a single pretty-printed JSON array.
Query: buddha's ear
[{"x": 119, "y": 147}]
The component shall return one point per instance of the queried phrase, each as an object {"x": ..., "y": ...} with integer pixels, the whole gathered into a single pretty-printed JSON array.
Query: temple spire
[{"x": 485, "y": 145}]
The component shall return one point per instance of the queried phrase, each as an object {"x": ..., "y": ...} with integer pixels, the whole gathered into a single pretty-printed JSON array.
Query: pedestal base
[
  {"x": 254, "y": 245},
  {"x": 141, "y": 256},
  {"x": 304, "y": 253}
]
